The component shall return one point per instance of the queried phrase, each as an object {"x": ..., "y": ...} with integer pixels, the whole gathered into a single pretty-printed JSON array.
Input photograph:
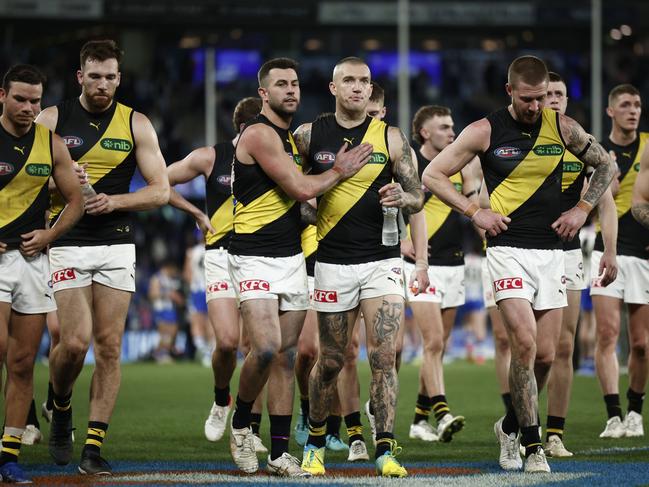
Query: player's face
[
  {"x": 625, "y": 111},
  {"x": 376, "y": 110},
  {"x": 528, "y": 101},
  {"x": 438, "y": 131},
  {"x": 281, "y": 91},
  {"x": 21, "y": 103},
  {"x": 557, "y": 99},
  {"x": 352, "y": 87},
  {"x": 99, "y": 81}
]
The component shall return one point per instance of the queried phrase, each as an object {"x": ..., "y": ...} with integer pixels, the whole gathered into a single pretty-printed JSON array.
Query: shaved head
[
  {"x": 355, "y": 61},
  {"x": 527, "y": 69}
]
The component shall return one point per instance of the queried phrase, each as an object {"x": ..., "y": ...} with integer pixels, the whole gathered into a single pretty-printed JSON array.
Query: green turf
[{"x": 161, "y": 411}]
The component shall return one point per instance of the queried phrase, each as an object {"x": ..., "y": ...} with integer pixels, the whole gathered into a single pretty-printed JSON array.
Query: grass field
[{"x": 159, "y": 418}]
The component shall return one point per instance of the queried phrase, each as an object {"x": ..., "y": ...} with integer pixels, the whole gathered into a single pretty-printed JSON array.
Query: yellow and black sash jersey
[
  {"x": 632, "y": 237},
  {"x": 266, "y": 220},
  {"x": 522, "y": 170},
  {"x": 309, "y": 246},
  {"x": 572, "y": 182},
  {"x": 218, "y": 197},
  {"x": 25, "y": 168},
  {"x": 443, "y": 225},
  {"x": 350, "y": 218},
  {"x": 105, "y": 142}
]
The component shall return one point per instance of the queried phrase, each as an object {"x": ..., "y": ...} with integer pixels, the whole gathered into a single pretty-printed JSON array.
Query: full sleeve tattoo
[
  {"x": 590, "y": 152},
  {"x": 405, "y": 173}
]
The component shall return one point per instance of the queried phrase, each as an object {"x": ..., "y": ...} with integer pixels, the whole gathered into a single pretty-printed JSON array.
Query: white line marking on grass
[
  {"x": 482, "y": 480},
  {"x": 615, "y": 449}
]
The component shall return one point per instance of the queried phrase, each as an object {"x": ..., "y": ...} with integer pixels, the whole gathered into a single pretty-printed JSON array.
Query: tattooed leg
[
  {"x": 520, "y": 323},
  {"x": 335, "y": 332},
  {"x": 382, "y": 324}
]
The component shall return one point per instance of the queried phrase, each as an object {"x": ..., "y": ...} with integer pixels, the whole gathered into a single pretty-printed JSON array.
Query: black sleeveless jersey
[
  {"x": 443, "y": 225},
  {"x": 218, "y": 197},
  {"x": 632, "y": 237},
  {"x": 522, "y": 170},
  {"x": 266, "y": 220},
  {"x": 350, "y": 219},
  {"x": 25, "y": 168},
  {"x": 572, "y": 182},
  {"x": 106, "y": 143}
]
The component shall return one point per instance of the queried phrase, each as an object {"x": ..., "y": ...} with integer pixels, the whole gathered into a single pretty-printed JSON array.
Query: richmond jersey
[
  {"x": 266, "y": 220},
  {"x": 632, "y": 237},
  {"x": 522, "y": 170},
  {"x": 105, "y": 142},
  {"x": 25, "y": 168},
  {"x": 350, "y": 219}
]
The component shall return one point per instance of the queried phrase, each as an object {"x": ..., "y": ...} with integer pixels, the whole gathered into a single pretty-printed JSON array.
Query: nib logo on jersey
[
  {"x": 116, "y": 144},
  {"x": 63, "y": 275},
  {"x": 322, "y": 296},
  {"x": 254, "y": 285},
  {"x": 508, "y": 283}
]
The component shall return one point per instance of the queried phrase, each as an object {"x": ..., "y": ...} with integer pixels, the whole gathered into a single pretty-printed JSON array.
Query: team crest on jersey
[
  {"x": 297, "y": 158},
  {"x": 6, "y": 168},
  {"x": 38, "y": 169},
  {"x": 548, "y": 150},
  {"x": 636, "y": 167},
  {"x": 72, "y": 141},
  {"x": 324, "y": 157},
  {"x": 224, "y": 180},
  {"x": 507, "y": 152},
  {"x": 116, "y": 144}
]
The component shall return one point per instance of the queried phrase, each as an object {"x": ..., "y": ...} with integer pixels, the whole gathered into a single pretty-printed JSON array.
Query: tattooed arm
[
  {"x": 591, "y": 153},
  {"x": 308, "y": 212},
  {"x": 406, "y": 193},
  {"x": 640, "y": 208},
  {"x": 302, "y": 138}
]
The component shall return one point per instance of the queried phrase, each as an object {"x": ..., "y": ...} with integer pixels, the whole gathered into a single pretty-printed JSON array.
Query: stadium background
[{"x": 458, "y": 50}]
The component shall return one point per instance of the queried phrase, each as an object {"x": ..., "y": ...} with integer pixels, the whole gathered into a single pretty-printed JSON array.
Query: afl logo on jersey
[
  {"x": 6, "y": 168},
  {"x": 507, "y": 152},
  {"x": 224, "y": 180},
  {"x": 325, "y": 157},
  {"x": 72, "y": 141}
]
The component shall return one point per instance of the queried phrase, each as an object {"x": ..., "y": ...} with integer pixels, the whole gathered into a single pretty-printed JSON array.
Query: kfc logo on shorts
[
  {"x": 254, "y": 285},
  {"x": 63, "y": 275},
  {"x": 508, "y": 283},
  {"x": 321, "y": 296},
  {"x": 217, "y": 286},
  {"x": 431, "y": 290}
]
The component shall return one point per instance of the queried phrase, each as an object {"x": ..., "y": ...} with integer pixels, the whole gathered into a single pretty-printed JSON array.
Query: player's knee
[
  {"x": 434, "y": 347},
  {"x": 607, "y": 336},
  {"x": 227, "y": 345},
  {"x": 564, "y": 350},
  {"x": 639, "y": 349},
  {"x": 330, "y": 366},
  {"x": 502, "y": 344},
  {"x": 525, "y": 348},
  {"x": 544, "y": 360},
  {"x": 108, "y": 351},
  {"x": 265, "y": 356},
  {"x": 21, "y": 367},
  {"x": 75, "y": 348}
]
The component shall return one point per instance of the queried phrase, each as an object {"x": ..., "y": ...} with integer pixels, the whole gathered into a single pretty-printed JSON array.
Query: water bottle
[{"x": 390, "y": 232}]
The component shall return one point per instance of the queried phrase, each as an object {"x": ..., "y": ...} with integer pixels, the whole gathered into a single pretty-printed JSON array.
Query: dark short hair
[
  {"x": 423, "y": 114},
  {"x": 378, "y": 93},
  {"x": 528, "y": 69},
  {"x": 100, "y": 50},
  {"x": 555, "y": 77},
  {"x": 246, "y": 110},
  {"x": 23, "y": 73},
  {"x": 624, "y": 89},
  {"x": 277, "y": 63}
]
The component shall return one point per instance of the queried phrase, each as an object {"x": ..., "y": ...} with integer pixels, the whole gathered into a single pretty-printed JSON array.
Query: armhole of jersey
[
  {"x": 59, "y": 112},
  {"x": 51, "y": 135},
  {"x": 385, "y": 135},
  {"x": 565, "y": 146},
  {"x": 130, "y": 126},
  {"x": 215, "y": 161}
]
